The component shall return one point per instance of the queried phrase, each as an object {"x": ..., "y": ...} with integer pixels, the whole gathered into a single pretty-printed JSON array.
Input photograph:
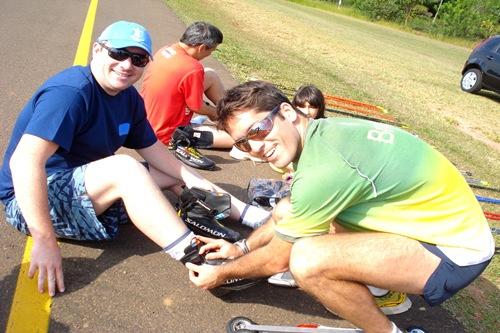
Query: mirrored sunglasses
[
  {"x": 258, "y": 131},
  {"x": 137, "y": 59}
]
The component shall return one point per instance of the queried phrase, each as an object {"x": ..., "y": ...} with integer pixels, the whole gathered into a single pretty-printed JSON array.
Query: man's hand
[
  {"x": 46, "y": 258},
  {"x": 30, "y": 184},
  {"x": 204, "y": 276},
  {"x": 218, "y": 249}
]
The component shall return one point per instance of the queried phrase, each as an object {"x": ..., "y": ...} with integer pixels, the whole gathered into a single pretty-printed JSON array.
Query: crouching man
[{"x": 410, "y": 221}]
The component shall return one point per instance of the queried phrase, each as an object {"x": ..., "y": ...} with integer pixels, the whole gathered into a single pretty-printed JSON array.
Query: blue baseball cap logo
[{"x": 123, "y": 34}]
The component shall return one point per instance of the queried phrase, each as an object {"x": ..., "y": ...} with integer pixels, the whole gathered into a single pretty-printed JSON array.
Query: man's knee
[
  {"x": 127, "y": 162},
  {"x": 305, "y": 261},
  {"x": 211, "y": 74}
]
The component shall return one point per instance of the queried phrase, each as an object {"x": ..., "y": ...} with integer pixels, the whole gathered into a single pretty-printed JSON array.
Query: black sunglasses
[
  {"x": 137, "y": 59},
  {"x": 258, "y": 131}
]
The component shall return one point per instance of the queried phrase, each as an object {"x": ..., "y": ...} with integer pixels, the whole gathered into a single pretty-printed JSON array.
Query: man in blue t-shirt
[{"x": 60, "y": 177}]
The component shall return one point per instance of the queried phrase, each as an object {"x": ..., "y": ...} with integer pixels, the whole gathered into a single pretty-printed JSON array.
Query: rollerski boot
[
  {"x": 185, "y": 141},
  {"x": 192, "y": 254},
  {"x": 201, "y": 210}
]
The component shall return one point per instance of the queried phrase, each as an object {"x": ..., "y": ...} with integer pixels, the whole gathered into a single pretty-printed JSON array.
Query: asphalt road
[{"x": 128, "y": 285}]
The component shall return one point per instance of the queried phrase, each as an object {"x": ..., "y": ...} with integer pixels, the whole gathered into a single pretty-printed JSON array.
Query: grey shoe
[{"x": 284, "y": 279}]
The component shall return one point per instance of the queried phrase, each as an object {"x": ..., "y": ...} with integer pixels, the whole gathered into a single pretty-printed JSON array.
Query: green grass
[
  {"x": 414, "y": 77},
  {"x": 331, "y": 6},
  {"x": 476, "y": 306}
]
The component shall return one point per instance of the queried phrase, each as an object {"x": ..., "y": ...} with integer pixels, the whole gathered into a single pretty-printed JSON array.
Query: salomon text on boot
[
  {"x": 185, "y": 141},
  {"x": 201, "y": 210}
]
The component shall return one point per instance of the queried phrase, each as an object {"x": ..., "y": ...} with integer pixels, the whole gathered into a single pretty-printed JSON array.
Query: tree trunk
[{"x": 437, "y": 11}]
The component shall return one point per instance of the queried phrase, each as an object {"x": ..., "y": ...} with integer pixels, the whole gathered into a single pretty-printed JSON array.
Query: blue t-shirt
[{"x": 72, "y": 110}]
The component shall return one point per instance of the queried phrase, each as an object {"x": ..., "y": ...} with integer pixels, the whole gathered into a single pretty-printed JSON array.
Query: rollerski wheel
[
  {"x": 415, "y": 329},
  {"x": 238, "y": 324}
]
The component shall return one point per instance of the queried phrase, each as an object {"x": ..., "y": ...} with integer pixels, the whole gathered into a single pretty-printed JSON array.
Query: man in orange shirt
[{"x": 173, "y": 90}]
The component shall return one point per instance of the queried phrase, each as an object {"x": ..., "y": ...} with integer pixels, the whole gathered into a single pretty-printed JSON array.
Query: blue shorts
[
  {"x": 71, "y": 210},
  {"x": 448, "y": 278}
]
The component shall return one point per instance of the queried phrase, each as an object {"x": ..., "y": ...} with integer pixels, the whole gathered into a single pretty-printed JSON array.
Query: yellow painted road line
[
  {"x": 30, "y": 311},
  {"x": 82, "y": 52}
]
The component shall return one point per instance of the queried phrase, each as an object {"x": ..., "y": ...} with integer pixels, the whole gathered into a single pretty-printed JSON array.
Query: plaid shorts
[{"x": 71, "y": 211}]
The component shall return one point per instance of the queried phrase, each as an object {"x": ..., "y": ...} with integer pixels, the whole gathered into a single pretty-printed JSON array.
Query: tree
[
  {"x": 409, "y": 7},
  {"x": 392, "y": 10},
  {"x": 437, "y": 11},
  {"x": 470, "y": 18}
]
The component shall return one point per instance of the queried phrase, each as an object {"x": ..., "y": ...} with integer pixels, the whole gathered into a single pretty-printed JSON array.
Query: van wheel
[{"x": 472, "y": 80}]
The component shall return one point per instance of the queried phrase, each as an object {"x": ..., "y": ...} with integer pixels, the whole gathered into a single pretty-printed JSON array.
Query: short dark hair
[
  {"x": 202, "y": 33},
  {"x": 256, "y": 95},
  {"x": 312, "y": 95}
]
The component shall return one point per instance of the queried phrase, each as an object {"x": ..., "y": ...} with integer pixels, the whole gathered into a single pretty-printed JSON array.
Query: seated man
[
  {"x": 411, "y": 223},
  {"x": 176, "y": 82},
  {"x": 60, "y": 176}
]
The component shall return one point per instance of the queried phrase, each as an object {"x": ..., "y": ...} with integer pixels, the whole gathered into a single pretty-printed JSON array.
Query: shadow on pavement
[
  {"x": 221, "y": 160},
  {"x": 7, "y": 288},
  {"x": 58, "y": 327},
  {"x": 435, "y": 319},
  {"x": 235, "y": 190},
  {"x": 83, "y": 271}
]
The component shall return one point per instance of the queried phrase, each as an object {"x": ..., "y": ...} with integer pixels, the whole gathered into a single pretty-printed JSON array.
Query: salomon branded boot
[
  {"x": 185, "y": 140},
  {"x": 193, "y": 137},
  {"x": 192, "y": 255},
  {"x": 192, "y": 157},
  {"x": 201, "y": 210}
]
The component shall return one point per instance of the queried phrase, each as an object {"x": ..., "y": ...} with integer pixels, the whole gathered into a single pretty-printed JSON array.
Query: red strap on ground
[
  {"x": 357, "y": 107},
  {"x": 492, "y": 216}
]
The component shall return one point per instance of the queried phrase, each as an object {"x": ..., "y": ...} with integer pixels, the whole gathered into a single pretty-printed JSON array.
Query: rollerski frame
[{"x": 245, "y": 325}]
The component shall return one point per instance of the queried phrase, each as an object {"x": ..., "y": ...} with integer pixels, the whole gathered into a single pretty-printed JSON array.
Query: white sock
[
  {"x": 254, "y": 217},
  {"x": 395, "y": 329},
  {"x": 176, "y": 248},
  {"x": 377, "y": 292}
]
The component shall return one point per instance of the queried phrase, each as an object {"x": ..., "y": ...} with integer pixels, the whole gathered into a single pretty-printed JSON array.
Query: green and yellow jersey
[{"x": 374, "y": 177}]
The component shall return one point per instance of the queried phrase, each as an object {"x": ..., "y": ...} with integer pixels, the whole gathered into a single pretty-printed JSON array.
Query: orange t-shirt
[{"x": 172, "y": 89}]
